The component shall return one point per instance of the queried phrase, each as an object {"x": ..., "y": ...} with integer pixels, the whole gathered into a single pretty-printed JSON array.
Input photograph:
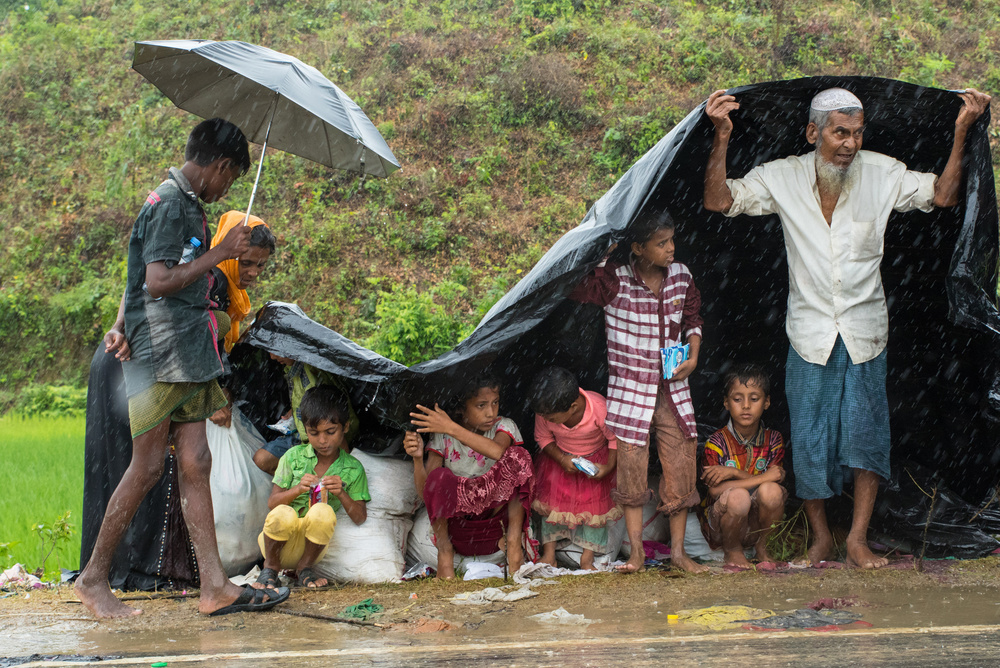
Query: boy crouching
[
  {"x": 311, "y": 482},
  {"x": 743, "y": 471}
]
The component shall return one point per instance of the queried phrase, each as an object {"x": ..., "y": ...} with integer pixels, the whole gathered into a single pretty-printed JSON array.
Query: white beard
[{"x": 836, "y": 180}]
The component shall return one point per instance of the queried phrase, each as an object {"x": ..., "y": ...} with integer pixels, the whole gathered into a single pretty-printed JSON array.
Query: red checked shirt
[
  {"x": 638, "y": 324},
  {"x": 754, "y": 455}
]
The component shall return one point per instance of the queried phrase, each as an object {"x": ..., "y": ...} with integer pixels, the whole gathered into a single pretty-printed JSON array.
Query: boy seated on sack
[
  {"x": 311, "y": 482},
  {"x": 742, "y": 468}
]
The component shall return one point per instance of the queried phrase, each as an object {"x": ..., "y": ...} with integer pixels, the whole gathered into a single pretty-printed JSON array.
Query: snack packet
[
  {"x": 585, "y": 465},
  {"x": 672, "y": 358}
]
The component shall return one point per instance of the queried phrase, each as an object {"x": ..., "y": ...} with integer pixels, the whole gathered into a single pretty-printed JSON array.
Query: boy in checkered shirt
[{"x": 650, "y": 302}]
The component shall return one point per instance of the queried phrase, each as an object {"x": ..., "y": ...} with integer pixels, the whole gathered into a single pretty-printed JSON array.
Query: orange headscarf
[{"x": 239, "y": 301}]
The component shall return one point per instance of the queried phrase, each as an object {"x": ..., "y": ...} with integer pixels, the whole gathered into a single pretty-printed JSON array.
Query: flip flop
[
  {"x": 254, "y": 600},
  {"x": 308, "y": 576},
  {"x": 269, "y": 578}
]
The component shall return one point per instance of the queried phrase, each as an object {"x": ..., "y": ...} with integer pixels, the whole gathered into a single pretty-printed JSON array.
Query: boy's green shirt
[{"x": 301, "y": 460}]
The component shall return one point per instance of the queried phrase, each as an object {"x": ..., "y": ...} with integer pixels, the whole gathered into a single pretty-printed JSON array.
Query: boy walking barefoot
[
  {"x": 743, "y": 470},
  {"x": 171, "y": 376}
]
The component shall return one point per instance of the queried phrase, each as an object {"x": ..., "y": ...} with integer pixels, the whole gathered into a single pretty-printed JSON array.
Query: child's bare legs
[
  {"x": 822, "y": 544},
  {"x": 633, "y": 527},
  {"x": 587, "y": 560},
  {"x": 770, "y": 510},
  {"x": 733, "y": 525},
  {"x": 446, "y": 551},
  {"x": 194, "y": 465},
  {"x": 549, "y": 553},
  {"x": 145, "y": 469},
  {"x": 515, "y": 525},
  {"x": 678, "y": 557}
]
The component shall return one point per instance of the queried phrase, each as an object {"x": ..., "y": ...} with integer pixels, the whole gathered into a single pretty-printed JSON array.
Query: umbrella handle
[{"x": 260, "y": 163}]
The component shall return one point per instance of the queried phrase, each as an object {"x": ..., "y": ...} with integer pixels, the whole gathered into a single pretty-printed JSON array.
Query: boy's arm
[
  {"x": 599, "y": 287},
  {"x": 162, "y": 281},
  {"x": 773, "y": 474},
  {"x": 604, "y": 469},
  {"x": 691, "y": 323},
  {"x": 284, "y": 497}
]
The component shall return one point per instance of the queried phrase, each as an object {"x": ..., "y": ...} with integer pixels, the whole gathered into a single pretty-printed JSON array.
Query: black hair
[
  {"x": 553, "y": 390},
  {"x": 747, "y": 374},
  {"x": 262, "y": 237},
  {"x": 217, "y": 138},
  {"x": 640, "y": 231},
  {"x": 455, "y": 404},
  {"x": 324, "y": 402}
]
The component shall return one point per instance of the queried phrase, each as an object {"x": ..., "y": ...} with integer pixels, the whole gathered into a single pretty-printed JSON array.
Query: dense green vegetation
[{"x": 509, "y": 119}]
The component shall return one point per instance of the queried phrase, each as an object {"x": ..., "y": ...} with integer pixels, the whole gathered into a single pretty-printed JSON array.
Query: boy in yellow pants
[{"x": 311, "y": 483}]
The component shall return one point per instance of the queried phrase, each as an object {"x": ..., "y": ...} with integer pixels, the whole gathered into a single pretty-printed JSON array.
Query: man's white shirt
[{"x": 835, "y": 286}]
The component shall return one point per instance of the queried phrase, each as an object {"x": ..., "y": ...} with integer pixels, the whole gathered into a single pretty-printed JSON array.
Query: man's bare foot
[
  {"x": 686, "y": 563},
  {"x": 101, "y": 602},
  {"x": 859, "y": 556},
  {"x": 209, "y": 603},
  {"x": 636, "y": 563},
  {"x": 821, "y": 549},
  {"x": 737, "y": 559}
]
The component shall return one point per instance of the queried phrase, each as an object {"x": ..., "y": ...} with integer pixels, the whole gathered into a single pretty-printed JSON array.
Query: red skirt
[
  {"x": 573, "y": 499},
  {"x": 449, "y": 495}
]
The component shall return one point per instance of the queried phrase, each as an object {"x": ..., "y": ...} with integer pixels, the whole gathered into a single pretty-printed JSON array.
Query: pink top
[{"x": 588, "y": 436}]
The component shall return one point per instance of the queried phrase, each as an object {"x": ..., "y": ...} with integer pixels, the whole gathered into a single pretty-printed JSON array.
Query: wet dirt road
[{"x": 949, "y": 618}]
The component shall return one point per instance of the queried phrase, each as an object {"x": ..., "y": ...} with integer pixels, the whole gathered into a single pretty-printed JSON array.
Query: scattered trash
[
  {"x": 413, "y": 595},
  {"x": 537, "y": 573},
  {"x": 803, "y": 619},
  {"x": 561, "y": 616},
  {"x": 158, "y": 664},
  {"x": 419, "y": 571},
  {"x": 722, "y": 617},
  {"x": 673, "y": 619},
  {"x": 17, "y": 576},
  {"x": 480, "y": 571},
  {"x": 833, "y": 603},
  {"x": 424, "y": 625},
  {"x": 493, "y": 594},
  {"x": 364, "y": 610}
]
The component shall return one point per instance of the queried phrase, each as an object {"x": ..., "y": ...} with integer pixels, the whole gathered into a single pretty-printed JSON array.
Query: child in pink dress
[{"x": 575, "y": 507}]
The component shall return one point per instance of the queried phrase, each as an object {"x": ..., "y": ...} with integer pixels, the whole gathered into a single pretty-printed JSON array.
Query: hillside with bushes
[{"x": 509, "y": 118}]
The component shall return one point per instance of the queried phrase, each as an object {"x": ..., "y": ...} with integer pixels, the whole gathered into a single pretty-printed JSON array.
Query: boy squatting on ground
[
  {"x": 300, "y": 378},
  {"x": 575, "y": 507},
  {"x": 743, "y": 470},
  {"x": 650, "y": 302},
  {"x": 297, "y": 534},
  {"x": 174, "y": 362}
]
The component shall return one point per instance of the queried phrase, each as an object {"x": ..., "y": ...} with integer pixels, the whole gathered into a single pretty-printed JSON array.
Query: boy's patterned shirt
[
  {"x": 755, "y": 455},
  {"x": 639, "y": 323}
]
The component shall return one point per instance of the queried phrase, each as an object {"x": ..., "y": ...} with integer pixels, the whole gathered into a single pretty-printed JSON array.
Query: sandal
[
  {"x": 308, "y": 578},
  {"x": 253, "y": 600},
  {"x": 269, "y": 578}
]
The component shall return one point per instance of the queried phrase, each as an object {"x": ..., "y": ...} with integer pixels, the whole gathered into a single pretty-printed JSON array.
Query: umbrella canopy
[{"x": 275, "y": 99}]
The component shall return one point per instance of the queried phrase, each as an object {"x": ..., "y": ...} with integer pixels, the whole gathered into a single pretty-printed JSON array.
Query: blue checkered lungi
[{"x": 840, "y": 420}]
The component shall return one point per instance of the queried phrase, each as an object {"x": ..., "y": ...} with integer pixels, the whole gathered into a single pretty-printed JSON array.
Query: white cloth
[
  {"x": 833, "y": 270},
  {"x": 465, "y": 462}
]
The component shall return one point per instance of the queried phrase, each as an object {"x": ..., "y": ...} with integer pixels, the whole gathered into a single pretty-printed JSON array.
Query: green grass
[{"x": 41, "y": 477}]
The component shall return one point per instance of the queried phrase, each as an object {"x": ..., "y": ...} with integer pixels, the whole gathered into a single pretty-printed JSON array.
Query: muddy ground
[{"x": 946, "y": 594}]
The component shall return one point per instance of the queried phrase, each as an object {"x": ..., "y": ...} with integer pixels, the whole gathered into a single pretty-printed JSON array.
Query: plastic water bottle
[{"x": 188, "y": 254}]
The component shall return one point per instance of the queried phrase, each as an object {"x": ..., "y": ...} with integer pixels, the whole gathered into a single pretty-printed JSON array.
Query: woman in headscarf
[{"x": 230, "y": 280}]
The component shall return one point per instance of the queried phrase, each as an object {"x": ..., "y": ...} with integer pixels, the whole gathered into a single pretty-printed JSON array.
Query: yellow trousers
[{"x": 284, "y": 524}]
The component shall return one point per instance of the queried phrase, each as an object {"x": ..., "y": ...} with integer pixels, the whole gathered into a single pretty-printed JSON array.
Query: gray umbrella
[{"x": 274, "y": 98}]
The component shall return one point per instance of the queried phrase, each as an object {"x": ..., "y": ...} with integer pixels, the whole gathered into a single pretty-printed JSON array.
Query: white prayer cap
[{"x": 832, "y": 99}]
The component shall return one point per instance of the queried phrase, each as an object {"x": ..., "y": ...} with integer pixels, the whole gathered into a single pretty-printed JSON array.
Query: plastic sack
[
  {"x": 239, "y": 492},
  {"x": 420, "y": 546},
  {"x": 569, "y": 555},
  {"x": 373, "y": 551}
]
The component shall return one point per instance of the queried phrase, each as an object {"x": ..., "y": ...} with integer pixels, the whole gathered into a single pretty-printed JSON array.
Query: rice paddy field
[{"x": 41, "y": 478}]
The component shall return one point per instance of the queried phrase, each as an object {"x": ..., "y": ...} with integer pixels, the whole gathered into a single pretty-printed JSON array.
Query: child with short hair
[
  {"x": 311, "y": 483},
  {"x": 743, "y": 470},
  {"x": 477, "y": 481},
  {"x": 173, "y": 365},
  {"x": 650, "y": 302},
  {"x": 575, "y": 507}
]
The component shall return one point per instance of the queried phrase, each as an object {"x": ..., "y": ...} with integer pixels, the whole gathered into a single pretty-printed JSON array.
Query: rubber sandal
[
  {"x": 254, "y": 600},
  {"x": 269, "y": 578},
  {"x": 308, "y": 576}
]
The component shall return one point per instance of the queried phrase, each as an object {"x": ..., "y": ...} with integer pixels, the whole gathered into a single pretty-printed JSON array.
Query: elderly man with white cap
[{"x": 833, "y": 204}]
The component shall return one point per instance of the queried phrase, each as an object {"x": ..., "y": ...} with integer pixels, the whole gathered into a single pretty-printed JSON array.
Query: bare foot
[
  {"x": 446, "y": 564},
  {"x": 685, "y": 563},
  {"x": 737, "y": 559},
  {"x": 515, "y": 556},
  {"x": 762, "y": 555},
  {"x": 859, "y": 556},
  {"x": 548, "y": 554},
  {"x": 101, "y": 602},
  {"x": 821, "y": 548},
  {"x": 209, "y": 603},
  {"x": 636, "y": 563},
  {"x": 587, "y": 561}
]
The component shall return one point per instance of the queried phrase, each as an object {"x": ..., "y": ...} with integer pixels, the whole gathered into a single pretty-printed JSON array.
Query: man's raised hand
[
  {"x": 975, "y": 104},
  {"x": 717, "y": 109},
  {"x": 236, "y": 242}
]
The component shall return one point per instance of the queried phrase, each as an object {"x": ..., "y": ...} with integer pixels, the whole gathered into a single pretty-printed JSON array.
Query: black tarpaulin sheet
[{"x": 939, "y": 272}]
